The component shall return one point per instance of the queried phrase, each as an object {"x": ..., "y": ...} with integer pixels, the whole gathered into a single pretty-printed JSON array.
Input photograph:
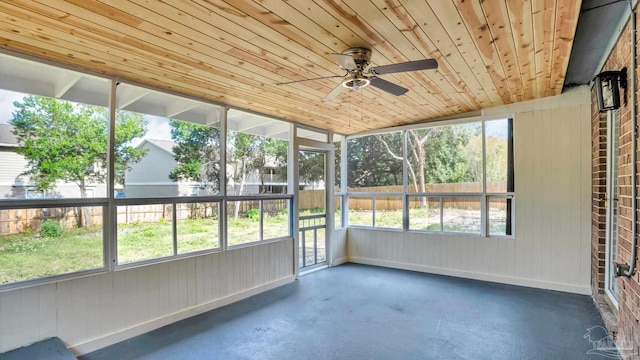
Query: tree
[
  {"x": 312, "y": 165},
  {"x": 62, "y": 141},
  {"x": 496, "y": 158},
  {"x": 270, "y": 152},
  {"x": 375, "y": 160},
  {"x": 197, "y": 152},
  {"x": 437, "y": 155}
]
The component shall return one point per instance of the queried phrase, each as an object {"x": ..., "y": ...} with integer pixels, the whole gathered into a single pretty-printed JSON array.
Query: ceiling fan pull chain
[
  {"x": 361, "y": 115},
  {"x": 349, "y": 110}
]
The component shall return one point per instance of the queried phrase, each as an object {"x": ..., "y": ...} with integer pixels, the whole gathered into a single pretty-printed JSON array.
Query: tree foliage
[
  {"x": 446, "y": 154},
  {"x": 312, "y": 167},
  {"x": 442, "y": 150},
  {"x": 375, "y": 160},
  {"x": 67, "y": 142},
  {"x": 197, "y": 153}
]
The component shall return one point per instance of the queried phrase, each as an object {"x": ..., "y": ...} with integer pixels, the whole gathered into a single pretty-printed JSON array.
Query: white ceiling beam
[
  {"x": 179, "y": 107},
  {"x": 213, "y": 116},
  {"x": 128, "y": 95},
  {"x": 251, "y": 124},
  {"x": 24, "y": 85},
  {"x": 278, "y": 129},
  {"x": 64, "y": 83}
]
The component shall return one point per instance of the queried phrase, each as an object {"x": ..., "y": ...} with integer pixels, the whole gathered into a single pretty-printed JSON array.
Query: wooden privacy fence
[
  {"x": 18, "y": 220},
  {"x": 271, "y": 207},
  {"x": 395, "y": 202}
]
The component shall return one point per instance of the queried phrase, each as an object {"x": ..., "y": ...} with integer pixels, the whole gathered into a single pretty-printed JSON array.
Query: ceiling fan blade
[
  {"x": 346, "y": 61},
  {"x": 389, "y": 87},
  {"x": 406, "y": 66},
  {"x": 330, "y": 96},
  {"x": 318, "y": 78}
]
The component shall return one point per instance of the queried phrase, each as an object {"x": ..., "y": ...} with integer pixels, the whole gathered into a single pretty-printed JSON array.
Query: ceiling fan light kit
[{"x": 355, "y": 62}]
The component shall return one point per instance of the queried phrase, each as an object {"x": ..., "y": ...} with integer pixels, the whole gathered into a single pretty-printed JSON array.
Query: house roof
[
  {"x": 238, "y": 52},
  {"x": 165, "y": 145},
  {"x": 7, "y": 139}
]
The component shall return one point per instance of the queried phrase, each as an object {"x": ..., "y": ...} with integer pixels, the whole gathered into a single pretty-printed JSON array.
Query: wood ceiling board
[
  {"x": 384, "y": 95},
  {"x": 544, "y": 15},
  {"x": 197, "y": 26},
  {"x": 296, "y": 111},
  {"x": 108, "y": 57},
  {"x": 44, "y": 28},
  {"x": 235, "y": 52},
  {"x": 521, "y": 20},
  {"x": 381, "y": 52},
  {"x": 350, "y": 39},
  {"x": 447, "y": 85},
  {"x": 386, "y": 99},
  {"x": 566, "y": 24},
  {"x": 463, "y": 36},
  {"x": 386, "y": 40},
  {"x": 498, "y": 22},
  {"x": 429, "y": 22},
  {"x": 171, "y": 48},
  {"x": 220, "y": 73},
  {"x": 472, "y": 92}
]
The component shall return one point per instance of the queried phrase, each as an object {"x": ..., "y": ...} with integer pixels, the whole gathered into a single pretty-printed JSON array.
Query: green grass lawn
[{"x": 29, "y": 255}]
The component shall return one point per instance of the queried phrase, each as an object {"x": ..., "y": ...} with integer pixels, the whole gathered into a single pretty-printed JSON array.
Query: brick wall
[
  {"x": 598, "y": 216},
  {"x": 629, "y": 295}
]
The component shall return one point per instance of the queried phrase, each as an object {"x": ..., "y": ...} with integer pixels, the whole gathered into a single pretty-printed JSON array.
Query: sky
[
  {"x": 158, "y": 127},
  {"x": 6, "y": 104}
]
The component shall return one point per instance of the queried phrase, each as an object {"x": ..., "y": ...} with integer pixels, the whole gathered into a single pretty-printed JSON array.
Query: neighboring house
[
  {"x": 150, "y": 176},
  {"x": 15, "y": 185}
]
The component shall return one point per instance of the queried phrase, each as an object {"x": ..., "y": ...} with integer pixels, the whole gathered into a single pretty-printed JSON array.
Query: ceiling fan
[{"x": 355, "y": 61}]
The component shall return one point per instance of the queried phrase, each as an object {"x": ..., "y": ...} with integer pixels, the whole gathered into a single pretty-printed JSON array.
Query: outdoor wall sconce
[{"x": 607, "y": 88}]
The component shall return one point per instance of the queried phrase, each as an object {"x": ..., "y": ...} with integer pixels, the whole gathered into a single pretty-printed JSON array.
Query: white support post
[
  {"x": 223, "y": 180},
  {"x": 405, "y": 180},
  {"x": 293, "y": 189},
  {"x": 484, "y": 201},
  {"x": 343, "y": 182},
  {"x": 330, "y": 171},
  {"x": 110, "y": 216}
]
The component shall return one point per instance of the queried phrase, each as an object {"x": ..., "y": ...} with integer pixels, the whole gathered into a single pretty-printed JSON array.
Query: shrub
[
  {"x": 253, "y": 214},
  {"x": 51, "y": 228}
]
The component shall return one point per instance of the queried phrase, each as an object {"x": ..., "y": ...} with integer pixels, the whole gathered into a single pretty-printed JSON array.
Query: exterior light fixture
[{"x": 608, "y": 84}]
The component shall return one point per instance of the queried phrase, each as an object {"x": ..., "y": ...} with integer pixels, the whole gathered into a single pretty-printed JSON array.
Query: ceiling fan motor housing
[{"x": 361, "y": 56}]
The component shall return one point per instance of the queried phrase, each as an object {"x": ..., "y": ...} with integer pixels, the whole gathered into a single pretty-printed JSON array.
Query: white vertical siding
[
  {"x": 92, "y": 312},
  {"x": 550, "y": 249},
  {"x": 339, "y": 246},
  {"x": 11, "y": 166}
]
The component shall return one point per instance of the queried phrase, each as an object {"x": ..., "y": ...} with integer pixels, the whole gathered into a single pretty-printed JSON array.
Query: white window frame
[{"x": 484, "y": 196}]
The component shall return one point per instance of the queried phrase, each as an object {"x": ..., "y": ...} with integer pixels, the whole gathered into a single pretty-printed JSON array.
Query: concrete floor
[{"x": 363, "y": 312}]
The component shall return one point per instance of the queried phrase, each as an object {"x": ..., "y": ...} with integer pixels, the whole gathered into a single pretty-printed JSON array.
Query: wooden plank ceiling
[{"x": 489, "y": 52}]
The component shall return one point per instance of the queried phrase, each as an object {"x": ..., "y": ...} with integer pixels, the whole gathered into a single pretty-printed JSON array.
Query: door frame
[{"x": 304, "y": 144}]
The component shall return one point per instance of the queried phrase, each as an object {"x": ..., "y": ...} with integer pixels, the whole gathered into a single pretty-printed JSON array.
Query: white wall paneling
[
  {"x": 95, "y": 311},
  {"x": 339, "y": 247},
  {"x": 550, "y": 248}
]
